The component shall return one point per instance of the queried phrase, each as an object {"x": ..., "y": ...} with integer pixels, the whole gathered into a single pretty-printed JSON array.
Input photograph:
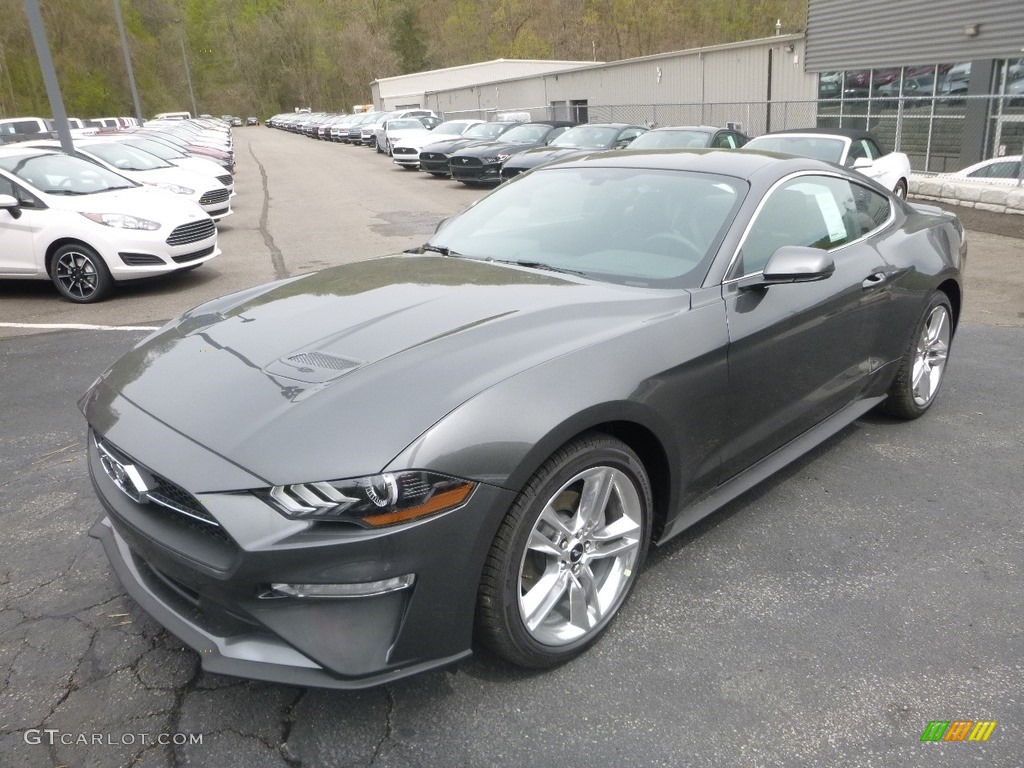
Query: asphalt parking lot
[{"x": 823, "y": 619}]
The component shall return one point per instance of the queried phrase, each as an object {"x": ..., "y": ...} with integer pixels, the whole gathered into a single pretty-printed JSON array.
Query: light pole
[
  {"x": 188, "y": 75},
  {"x": 128, "y": 60},
  {"x": 60, "y": 117}
]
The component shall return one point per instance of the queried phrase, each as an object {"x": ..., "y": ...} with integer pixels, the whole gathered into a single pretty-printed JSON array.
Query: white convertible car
[{"x": 859, "y": 150}]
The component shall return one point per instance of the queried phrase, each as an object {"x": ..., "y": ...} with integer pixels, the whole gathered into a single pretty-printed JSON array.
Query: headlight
[
  {"x": 122, "y": 221},
  {"x": 372, "y": 502},
  {"x": 178, "y": 190}
]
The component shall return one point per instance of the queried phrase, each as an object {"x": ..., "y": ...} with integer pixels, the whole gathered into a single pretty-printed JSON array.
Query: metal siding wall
[
  {"x": 722, "y": 75},
  {"x": 890, "y": 33},
  {"x": 457, "y": 77}
]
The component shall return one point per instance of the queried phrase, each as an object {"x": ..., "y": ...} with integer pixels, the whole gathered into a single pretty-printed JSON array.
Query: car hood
[
  {"x": 535, "y": 157},
  {"x": 145, "y": 202},
  {"x": 492, "y": 148},
  {"x": 454, "y": 145},
  {"x": 419, "y": 140},
  {"x": 333, "y": 374}
]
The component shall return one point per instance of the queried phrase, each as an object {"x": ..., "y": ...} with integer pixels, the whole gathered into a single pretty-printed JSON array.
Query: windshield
[
  {"x": 454, "y": 127},
  {"x": 817, "y": 147},
  {"x": 404, "y": 125},
  {"x": 671, "y": 140},
  {"x": 63, "y": 175},
  {"x": 622, "y": 225},
  {"x": 155, "y": 148},
  {"x": 526, "y": 134},
  {"x": 485, "y": 131},
  {"x": 126, "y": 158},
  {"x": 587, "y": 137}
]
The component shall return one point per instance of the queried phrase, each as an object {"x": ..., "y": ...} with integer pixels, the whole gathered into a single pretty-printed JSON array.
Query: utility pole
[
  {"x": 128, "y": 60},
  {"x": 60, "y": 117},
  {"x": 188, "y": 75}
]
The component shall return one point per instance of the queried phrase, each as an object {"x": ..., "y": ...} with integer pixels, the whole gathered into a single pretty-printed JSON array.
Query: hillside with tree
[{"x": 266, "y": 56}]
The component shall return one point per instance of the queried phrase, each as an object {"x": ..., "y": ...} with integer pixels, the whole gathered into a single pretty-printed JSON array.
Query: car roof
[
  {"x": 17, "y": 150},
  {"x": 842, "y": 133},
  {"x": 552, "y": 123},
  {"x": 704, "y": 128},
  {"x": 740, "y": 163}
]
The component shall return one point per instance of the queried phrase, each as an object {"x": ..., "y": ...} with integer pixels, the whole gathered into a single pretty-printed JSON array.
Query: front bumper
[
  {"x": 435, "y": 162},
  {"x": 211, "y": 591},
  {"x": 474, "y": 171}
]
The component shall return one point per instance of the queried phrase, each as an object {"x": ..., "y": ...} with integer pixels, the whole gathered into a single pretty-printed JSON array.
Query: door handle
[{"x": 875, "y": 280}]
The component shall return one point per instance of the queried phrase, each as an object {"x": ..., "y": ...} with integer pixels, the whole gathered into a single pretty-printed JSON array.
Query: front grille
[
  {"x": 192, "y": 232},
  {"x": 161, "y": 493},
  {"x": 214, "y": 196},
  {"x": 434, "y": 157},
  {"x": 508, "y": 173},
  {"x": 404, "y": 151},
  {"x": 140, "y": 259},
  {"x": 187, "y": 257},
  {"x": 227, "y": 179},
  {"x": 467, "y": 162}
]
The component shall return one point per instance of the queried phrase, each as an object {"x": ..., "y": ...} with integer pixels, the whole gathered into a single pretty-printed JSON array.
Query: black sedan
[
  {"x": 342, "y": 478},
  {"x": 575, "y": 141},
  {"x": 435, "y": 158},
  {"x": 481, "y": 164}
]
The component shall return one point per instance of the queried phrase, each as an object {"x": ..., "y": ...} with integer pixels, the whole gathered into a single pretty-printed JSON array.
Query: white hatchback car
[{"x": 84, "y": 227}]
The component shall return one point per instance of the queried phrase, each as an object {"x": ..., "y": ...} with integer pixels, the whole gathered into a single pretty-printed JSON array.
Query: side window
[
  {"x": 723, "y": 141},
  {"x": 629, "y": 134},
  {"x": 556, "y": 133},
  {"x": 874, "y": 151},
  {"x": 811, "y": 211},
  {"x": 6, "y": 187},
  {"x": 858, "y": 149}
]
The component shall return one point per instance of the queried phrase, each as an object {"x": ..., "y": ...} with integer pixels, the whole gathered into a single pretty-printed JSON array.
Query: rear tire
[
  {"x": 901, "y": 189},
  {"x": 566, "y": 556},
  {"x": 923, "y": 366}
]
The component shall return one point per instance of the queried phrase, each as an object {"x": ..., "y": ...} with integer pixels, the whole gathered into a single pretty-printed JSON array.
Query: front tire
[
  {"x": 921, "y": 371},
  {"x": 566, "y": 556},
  {"x": 80, "y": 274}
]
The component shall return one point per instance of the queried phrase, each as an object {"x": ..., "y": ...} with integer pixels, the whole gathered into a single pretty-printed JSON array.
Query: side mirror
[
  {"x": 862, "y": 162},
  {"x": 792, "y": 264},
  {"x": 11, "y": 205}
]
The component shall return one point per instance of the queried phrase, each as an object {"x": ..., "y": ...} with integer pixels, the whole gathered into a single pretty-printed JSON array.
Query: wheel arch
[
  {"x": 53, "y": 247},
  {"x": 623, "y": 422},
  {"x": 953, "y": 292}
]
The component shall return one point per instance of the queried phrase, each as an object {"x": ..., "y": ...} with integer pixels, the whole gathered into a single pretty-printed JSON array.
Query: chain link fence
[{"x": 936, "y": 133}]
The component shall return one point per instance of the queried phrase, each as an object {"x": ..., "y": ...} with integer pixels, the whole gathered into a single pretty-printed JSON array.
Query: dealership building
[{"x": 942, "y": 80}]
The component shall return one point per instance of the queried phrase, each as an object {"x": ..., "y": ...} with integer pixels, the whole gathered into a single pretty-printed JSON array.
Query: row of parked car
[
  {"x": 125, "y": 204},
  {"x": 483, "y": 153}
]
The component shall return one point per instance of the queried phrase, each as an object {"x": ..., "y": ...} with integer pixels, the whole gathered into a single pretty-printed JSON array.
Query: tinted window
[{"x": 812, "y": 211}]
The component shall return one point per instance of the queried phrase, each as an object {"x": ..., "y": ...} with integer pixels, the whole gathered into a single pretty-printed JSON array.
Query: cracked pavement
[{"x": 824, "y": 618}]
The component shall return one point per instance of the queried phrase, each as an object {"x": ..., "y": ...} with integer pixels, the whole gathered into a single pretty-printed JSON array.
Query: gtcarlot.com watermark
[{"x": 53, "y": 736}]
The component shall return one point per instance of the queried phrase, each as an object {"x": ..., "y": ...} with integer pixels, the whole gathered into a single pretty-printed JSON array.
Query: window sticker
[{"x": 830, "y": 212}]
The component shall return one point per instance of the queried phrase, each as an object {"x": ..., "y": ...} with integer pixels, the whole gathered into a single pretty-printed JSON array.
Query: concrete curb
[{"x": 999, "y": 198}]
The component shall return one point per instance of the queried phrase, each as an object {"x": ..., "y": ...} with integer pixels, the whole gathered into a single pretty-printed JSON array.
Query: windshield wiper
[
  {"x": 66, "y": 192},
  {"x": 427, "y": 247},
  {"x": 539, "y": 265}
]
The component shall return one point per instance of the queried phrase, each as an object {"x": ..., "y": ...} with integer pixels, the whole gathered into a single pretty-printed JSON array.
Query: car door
[
  {"x": 17, "y": 235},
  {"x": 799, "y": 352}
]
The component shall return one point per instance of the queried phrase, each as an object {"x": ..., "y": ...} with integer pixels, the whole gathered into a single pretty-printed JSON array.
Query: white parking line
[{"x": 80, "y": 327}]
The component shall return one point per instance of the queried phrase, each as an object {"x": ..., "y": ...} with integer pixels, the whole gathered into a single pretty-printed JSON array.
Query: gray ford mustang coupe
[{"x": 350, "y": 476}]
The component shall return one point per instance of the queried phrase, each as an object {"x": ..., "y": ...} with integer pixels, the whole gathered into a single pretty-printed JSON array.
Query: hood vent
[{"x": 312, "y": 367}]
